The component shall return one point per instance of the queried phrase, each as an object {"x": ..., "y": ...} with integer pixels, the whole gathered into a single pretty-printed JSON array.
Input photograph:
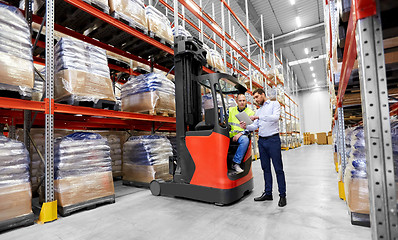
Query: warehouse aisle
[{"x": 314, "y": 211}]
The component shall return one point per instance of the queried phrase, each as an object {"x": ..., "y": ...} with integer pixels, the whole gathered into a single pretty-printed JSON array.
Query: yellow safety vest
[{"x": 234, "y": 122}]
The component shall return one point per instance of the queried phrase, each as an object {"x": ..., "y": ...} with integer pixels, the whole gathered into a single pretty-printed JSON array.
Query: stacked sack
[
  {"x": 16, "y": 61},
  {"x": 355, "y": 177},
  {"x": 159, "y": 24},
  {"x": 181, "y": 32},
  {"x": 146, "y": 158},
  {"x": 81, "y": 72},
  {"x": 36, "y": 164},
  {"x": 15, "y": 192},
  {"x": 214, "y": 59},
  {"x": 115, "y": 142},
  {"x": 148, "y": 92},
  {"x": 82, "y": 169},
  {"x": 132, "y": 11}
]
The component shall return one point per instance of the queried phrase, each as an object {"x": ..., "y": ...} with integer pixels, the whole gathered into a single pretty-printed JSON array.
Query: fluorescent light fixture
[
  {"x": 193, "y": 5},
  {"x": 314, "y": 80},
  {"x": 313, "y": 74},
  {"x": 306, "y": 50},
  {"x": 312, "y": 68},
  {"x": 309, "y": 60},
  {"x": 298, "y": 21},
  {"x": 292, "y": 2}
]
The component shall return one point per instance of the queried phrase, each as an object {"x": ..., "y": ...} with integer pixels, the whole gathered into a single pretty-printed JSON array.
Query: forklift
[{"x": 201, "y": 168}]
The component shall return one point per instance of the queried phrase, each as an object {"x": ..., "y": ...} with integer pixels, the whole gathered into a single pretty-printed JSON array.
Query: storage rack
[
  {"x": 73, "y": 18},
  {"x": 363, "y": 42}
]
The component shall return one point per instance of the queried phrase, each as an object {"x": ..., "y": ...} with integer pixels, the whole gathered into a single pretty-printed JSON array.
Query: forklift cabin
[{"x": 201, "y": 167}]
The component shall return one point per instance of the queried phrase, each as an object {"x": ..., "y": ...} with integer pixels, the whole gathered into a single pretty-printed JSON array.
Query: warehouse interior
[{"x": 116, "y": 119}]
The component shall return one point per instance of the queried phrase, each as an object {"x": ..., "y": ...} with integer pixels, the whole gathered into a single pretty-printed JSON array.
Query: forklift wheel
[{"x": 154, "y": 186}]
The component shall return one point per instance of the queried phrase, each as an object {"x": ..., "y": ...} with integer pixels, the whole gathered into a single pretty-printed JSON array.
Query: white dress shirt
[{"x": 268, "y": 122}]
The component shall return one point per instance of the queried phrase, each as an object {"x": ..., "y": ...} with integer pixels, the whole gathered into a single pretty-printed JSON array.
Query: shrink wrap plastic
[
  {"x": 159, "y": 24},
  {"x": 132, "y": 11}
]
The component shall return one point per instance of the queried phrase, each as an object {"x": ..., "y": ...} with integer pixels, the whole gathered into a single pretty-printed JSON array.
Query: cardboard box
[
  {"x": 16, "y": 71},
  {"x": 330, "y": 133},
  {"x": 321, "y": 138},
  {"x": 312, "y": 138},
  {"x": 74, "y": 190},
  {"x": 149, "y": 101},
  {"x": 128, "y": 9},
  {"x": 358, "y": 195},
  {"x": 82, "y": 84},
  {"x": 330, "y": 140},
  {"x": 145, "y": 173},
  {"x": 15, "y": 201}
]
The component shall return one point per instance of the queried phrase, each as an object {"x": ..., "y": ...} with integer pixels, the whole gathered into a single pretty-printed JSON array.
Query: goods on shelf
[
  {"x": 36, "y": 168},
  {"x": 271, "y": 76},
  {"x": 132, "y": 11},
  {"x": 214, "y": 59},
  {"x": 16, "y": 61},
  {"x": 37, "y": 5},
  {"x": 81, "y": 72},
  {"x": 138, "y": 66},
  {"x": 15, "y": 192},
  {"x": 115, "y": 140},
  {"x": 38, "y": 87},
  {"x": 82, "y": 169},
  {"x": 355, "y": 177},
  {"x": 151, "y": 92},
  {"x": 159, "y": 24},
  {"x": 146, "y": 158},
  {"x": 181, "y": 32}
]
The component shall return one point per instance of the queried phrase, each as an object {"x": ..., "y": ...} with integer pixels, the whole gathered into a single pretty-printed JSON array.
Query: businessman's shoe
[
  {"x": 263, "y": 197},
  {"x": 237, "y": 168},
  {"x": 282, "y": 202}
]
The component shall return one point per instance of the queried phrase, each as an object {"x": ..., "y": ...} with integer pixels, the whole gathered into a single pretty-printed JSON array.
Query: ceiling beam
[{"x": 298, "y": 36}]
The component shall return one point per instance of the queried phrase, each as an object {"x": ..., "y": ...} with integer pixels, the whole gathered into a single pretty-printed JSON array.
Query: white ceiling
[{"x": 279, "y": 19}]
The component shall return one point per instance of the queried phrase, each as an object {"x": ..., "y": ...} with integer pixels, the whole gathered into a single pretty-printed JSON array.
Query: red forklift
[{"x": 201, "y": 167}]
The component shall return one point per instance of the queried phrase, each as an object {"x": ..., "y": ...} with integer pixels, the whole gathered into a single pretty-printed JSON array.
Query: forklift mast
[{"x": 189, "y": 58}]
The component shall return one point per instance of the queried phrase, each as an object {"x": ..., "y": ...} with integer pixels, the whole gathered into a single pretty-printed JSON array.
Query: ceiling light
[
  {"x": 298, "y": 21},
  {"x": 292, "y": 2},
  {"x": 306, "y": 50},
  {"x": 313, "y": 74},
  {"x": 312, "y": 68},
  {"x": 314, "y": 80}
]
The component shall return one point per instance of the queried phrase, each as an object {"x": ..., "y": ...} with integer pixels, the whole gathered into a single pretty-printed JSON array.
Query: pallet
[
  {"x": 360, "y": 219},
  {"x": 100, "y": 104},
  {"x": 160, "y": 39},
  {"x": 128, "y": 21},
  {"x": 22, "y": 221},
  {"x": 11, "y": 91},
  {"x": 160, "y": 113},
  {"x": 135, "y": 184},
  {"x": 87, "y": 205},
  {"x": 117, "y": 175}
]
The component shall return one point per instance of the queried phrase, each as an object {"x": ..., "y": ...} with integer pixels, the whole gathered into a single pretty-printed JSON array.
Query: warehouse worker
[
  {"x": 269, "y": 143},
  {"x": 237, "y": 133}
]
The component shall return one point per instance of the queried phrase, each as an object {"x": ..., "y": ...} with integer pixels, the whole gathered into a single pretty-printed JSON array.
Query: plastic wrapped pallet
[
  {"x": 36, "y": 164},
  {"x": 16, "y": 61},
  {"x": 214, "y": 59},
  {"x": 38, "y": 88},
  {"x": 150, "y": 92},
  {"x": 355, "y": 177},
  {"x": 132, "y": 11},
  {"x": 159, "y": 24},
  {"x": 15, "y": 192},
  {"x": 82, "y": 169},
  {"x": 146, "y": 158},
  {"x": 181, "y": 32},
  {"x": 81, "y": 72}
]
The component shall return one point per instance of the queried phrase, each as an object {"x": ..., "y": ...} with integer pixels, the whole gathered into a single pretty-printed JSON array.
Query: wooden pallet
[
  {"x": 160, "y": 39},
  {"x": 160, "y": 113},
  {"x": 128, "y": 21},
  {"x": 12, "y": 91},
  {"x": 87, "y": 205},
  {"x": 136, "y": 184},
  {"x": 100, "y": 104}
]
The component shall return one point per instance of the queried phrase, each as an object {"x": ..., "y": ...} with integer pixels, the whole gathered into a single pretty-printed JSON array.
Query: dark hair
[{"x": 259, "y": 91}]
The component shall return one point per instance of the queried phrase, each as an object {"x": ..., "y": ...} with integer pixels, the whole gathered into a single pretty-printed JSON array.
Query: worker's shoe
[
  {"x": 282, "y": 202},
  {"x": 237, "y": 168},
  {"x": 263, "y": 197}
]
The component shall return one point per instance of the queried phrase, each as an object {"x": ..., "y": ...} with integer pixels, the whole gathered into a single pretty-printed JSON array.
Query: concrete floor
[{"x": 314, "y": 211}]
